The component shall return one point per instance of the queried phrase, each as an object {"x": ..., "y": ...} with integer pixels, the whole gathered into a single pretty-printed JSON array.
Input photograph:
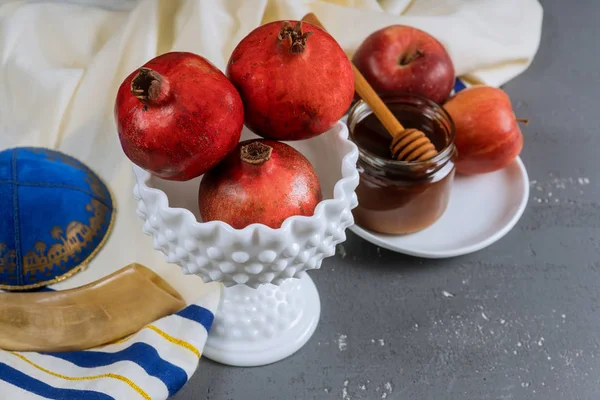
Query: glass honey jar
[{"x": 399, "y": 197}]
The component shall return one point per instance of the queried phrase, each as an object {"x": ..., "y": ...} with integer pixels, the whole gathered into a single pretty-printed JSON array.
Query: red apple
[
  {"x": 404, "y": 58},
  {"x": 488, "y": 137}
]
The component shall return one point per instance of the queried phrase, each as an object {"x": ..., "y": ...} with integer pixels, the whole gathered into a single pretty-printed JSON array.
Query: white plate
[{"x": 482, "y": 209}]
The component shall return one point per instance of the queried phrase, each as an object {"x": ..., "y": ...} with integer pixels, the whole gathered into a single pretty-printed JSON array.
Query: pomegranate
[
  {"x": 178, "y": 116},
  {"x": 294, "y": 78},
  {"x": 261, "y": 181}
]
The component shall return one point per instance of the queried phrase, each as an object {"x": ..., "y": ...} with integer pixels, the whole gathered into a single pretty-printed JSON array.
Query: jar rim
[{"x": 446, "y": 152}]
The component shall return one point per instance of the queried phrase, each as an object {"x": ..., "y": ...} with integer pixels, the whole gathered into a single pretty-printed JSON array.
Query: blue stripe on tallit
[
  {"x": 142, "y": 354},
  {"x": 32, "y": 385},
  {"x": 198, "y": 314}
]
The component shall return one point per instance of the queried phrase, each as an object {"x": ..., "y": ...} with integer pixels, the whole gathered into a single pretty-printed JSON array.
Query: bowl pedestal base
[{"x": 255, "y": 327}]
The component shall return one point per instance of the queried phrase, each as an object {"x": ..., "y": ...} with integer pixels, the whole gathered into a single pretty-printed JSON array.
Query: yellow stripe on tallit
[
  {"x": 176, "y": 341},
  {"x": 86, "y": 378}
]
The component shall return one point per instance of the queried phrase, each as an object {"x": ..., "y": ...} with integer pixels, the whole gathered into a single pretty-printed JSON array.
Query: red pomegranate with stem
[
  {"x": 294, "y": 78},
  {"x": 178, "y": 116},
  {"x": 261, "y": 181}
]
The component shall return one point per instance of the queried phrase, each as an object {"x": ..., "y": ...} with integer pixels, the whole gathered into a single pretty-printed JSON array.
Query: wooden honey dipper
[{"x": 407, "y": 144}]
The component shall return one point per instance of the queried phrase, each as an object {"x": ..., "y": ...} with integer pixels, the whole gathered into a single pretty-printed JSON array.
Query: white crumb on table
[
  {"x": 345, "y": 391},
  {"x": 583, "y": 181},
  {"x": 559, "y": 189},
  {"x": 342, "y": 342},
  {"x": 387, "y": 387}
]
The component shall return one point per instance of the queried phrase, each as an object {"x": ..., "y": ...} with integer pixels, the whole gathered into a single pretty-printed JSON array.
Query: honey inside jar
[{"x": 398, "y": 197}]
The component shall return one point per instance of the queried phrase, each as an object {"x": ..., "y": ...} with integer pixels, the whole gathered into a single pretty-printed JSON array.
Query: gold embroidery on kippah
[
  {"x": 8, "y": 261},
  {"x": 72, "y": 240}
]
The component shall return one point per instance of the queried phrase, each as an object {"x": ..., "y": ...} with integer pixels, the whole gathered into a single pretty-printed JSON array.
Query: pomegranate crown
[
  {"x": 146, "y": 85},
  {"x": 295, "y": 35},
  {"x": 256, "y": 153}
]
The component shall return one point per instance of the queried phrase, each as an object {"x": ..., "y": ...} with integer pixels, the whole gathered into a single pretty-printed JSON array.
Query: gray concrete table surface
[{"x": 517, "y": 320}]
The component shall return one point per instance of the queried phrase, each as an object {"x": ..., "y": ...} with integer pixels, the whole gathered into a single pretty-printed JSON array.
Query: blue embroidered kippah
[{"x": 55, "y": 214}]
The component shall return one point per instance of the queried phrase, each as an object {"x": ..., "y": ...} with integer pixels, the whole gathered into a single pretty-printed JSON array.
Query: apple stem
[
  {"x": 523, "y": 121},
  {"x": 407, "y": 60}
]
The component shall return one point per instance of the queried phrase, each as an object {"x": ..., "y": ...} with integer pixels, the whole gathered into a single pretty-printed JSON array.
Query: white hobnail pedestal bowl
[{"x": 270, "y": 307}]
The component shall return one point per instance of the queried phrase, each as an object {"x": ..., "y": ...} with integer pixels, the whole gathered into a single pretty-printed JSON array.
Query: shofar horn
[{"x": 88, "y": 316}]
